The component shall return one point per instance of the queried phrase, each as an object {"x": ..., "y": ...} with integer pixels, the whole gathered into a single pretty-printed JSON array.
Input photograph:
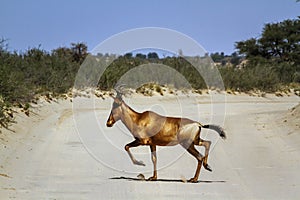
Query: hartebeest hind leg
[
  {"x": 135, "y": 143},
  {"x": 206, "y": 145},
  {"x": 154, "y": 160},
  {"x": 199, "y": 142},
  {"x": 192, "y": 150}
]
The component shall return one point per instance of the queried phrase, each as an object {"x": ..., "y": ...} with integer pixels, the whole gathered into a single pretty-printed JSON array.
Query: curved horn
[{"x": 120, "y": 90}]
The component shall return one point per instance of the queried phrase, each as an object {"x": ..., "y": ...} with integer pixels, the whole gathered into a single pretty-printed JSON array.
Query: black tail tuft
[{"x": 216, "y": 128}]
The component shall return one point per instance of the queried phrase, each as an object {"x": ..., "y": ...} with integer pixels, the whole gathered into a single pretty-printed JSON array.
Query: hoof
[
  {"x": 153, "y": 178},
  {"x": 141, "y": 163},
  {"x": 207, "y": 167},
  {"x": 193, "y": 180}
]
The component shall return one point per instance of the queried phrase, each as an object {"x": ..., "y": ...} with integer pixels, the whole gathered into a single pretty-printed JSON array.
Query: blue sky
[{"x": 214, "y": 24}]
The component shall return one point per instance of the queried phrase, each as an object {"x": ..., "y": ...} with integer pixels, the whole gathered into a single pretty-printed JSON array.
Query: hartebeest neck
[{"x": 129, "y": 117}]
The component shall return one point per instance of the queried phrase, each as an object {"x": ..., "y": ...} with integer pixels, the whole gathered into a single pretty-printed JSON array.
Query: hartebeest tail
[{"x": 216, "y": 128}]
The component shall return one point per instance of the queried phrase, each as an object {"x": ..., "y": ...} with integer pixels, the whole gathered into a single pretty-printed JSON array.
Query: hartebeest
[{"x": 150, "y": 128}]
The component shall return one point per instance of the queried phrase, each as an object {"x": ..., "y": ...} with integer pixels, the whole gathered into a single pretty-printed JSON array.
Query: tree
[
  {"x": 152, "y": 55},
  {"x": 249, "y": 48},
  {"x": 235, "y": 59},
  {"x": 62, "y": 52},
  {"x": 128, "y": 55},
  {"x": 79, "y": 51},
  {"x": 217, "y": 57},
  {"x": 278, "y": 41},
  {"x": 141, "y": 56}
]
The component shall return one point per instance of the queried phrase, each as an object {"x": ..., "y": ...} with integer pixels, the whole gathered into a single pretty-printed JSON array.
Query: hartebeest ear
[
  {"x": 118, "y": 96},
  {"x": 111, "y": 94}
]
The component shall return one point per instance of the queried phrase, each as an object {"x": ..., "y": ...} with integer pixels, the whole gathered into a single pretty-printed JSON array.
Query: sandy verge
[{"x": 44, "y": 157}]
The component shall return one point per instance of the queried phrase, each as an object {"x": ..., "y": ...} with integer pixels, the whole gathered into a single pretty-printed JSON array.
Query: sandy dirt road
[{"x": 62, "y": 152}]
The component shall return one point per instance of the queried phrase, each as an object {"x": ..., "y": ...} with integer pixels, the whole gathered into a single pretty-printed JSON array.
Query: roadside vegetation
[{"x": 268, "y": 63}]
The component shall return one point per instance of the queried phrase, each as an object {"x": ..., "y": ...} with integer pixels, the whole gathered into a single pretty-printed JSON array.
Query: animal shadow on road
[{"x": 164, "y": 180}]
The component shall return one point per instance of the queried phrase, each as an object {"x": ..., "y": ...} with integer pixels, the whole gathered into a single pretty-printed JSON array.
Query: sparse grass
[
  {"x": 148, "y": 89},
  {"x": 159, "y": 90},
  {"x": 6, "y": 114}
]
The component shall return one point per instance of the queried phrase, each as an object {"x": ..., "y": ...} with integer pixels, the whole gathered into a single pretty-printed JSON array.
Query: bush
[
  {"x": 259, "y": 77},
  {"x": 24, "y": 75}
]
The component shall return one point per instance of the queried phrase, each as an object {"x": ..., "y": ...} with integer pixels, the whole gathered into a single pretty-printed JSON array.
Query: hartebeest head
[{"x": 116, "y": 111}]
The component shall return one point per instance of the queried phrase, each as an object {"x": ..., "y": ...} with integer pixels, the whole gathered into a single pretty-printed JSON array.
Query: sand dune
[{"x": 64, "y": 151}]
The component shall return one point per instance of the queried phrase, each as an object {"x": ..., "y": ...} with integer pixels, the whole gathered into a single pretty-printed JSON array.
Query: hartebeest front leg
[
  {"x": 135, "y": 143},
  {"x": 154, "y": 160}
]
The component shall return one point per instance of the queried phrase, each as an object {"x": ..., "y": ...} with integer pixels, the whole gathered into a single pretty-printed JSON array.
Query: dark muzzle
[{"x": 110, "y": 122}]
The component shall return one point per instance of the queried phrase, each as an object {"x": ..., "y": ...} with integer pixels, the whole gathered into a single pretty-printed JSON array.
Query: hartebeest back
[{"x": 150, "y": 128}]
